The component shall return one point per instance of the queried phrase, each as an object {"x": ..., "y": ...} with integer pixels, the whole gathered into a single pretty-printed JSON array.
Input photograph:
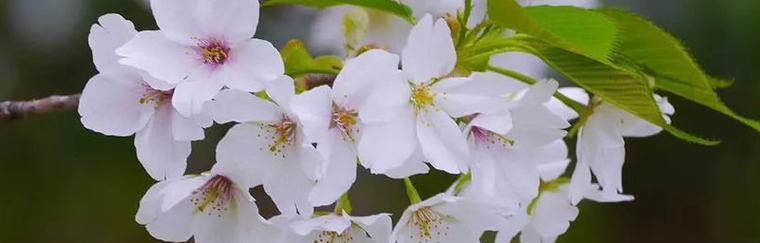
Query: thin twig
[{"x": 17, "y": 110}]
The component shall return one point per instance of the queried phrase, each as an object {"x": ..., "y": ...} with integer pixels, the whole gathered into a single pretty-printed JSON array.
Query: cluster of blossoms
[{"x": 394, "y": 115}]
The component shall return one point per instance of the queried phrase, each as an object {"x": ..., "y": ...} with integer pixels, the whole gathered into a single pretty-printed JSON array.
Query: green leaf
[
  {"x": 299, "y": 62},
  {"x": 574, "y": 29},
  {"x": 624, "y": 89},
  {"x": 658, "y": 54},
  {"x": 390, "y": 6}
]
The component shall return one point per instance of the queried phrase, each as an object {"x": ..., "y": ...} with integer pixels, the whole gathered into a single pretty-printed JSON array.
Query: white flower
[
  {"x": 601, "y": 147},
  {"x": 422, "y": 125},
  {"x": 214, "y": 207},
  {"x": 335, "y": 118},
  {"x": 445, "y": 218},
  {"x": 204, "y": 45},
  {"x": 120, "y": 101},
  {"x": 549, "y": 217},
  {"x": 336, "y": 228},
  {"x": 270, "y": 144},
  {"x": 511, "y": 148}
]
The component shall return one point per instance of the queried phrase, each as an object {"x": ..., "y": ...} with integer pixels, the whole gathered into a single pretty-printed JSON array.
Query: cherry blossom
[
  {"x": 270, "y": 143},
  {"x": 121, "y": 102},
  {"x": 204, "y": 45},
  {"x": 423, "y": 126},
  {"x": 213, "y": 207},
  {"x": 335, "y": 228},
  {"x": 601, "y": 148},
  {"x": 335, "y": 118},
  {"x": 446, "y": 218}
]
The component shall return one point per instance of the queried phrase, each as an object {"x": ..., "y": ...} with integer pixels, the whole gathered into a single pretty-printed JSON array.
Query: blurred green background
[{"x": 63, "y": 183}]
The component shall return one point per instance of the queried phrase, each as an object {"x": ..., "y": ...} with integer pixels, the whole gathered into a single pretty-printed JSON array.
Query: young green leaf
[
  {"x": 617, "y": 86},
  {"x": 298, "y": 61},
  {"x": 658, "y": 54},
  {"x": 574, "y": 29},
  {"x": 390, "y": 6}
]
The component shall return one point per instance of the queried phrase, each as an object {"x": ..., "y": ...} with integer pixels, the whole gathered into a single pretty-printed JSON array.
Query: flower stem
[
  {"x": 411, "y": 192},
  {"x": 464, "y": 178},
  {"x": 343, "y": 205}
]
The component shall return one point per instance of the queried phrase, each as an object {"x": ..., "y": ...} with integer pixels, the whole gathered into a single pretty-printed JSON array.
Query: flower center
[
  {"x": 334, "y": 237},
  {"x": 430, "y": 223},
  {"x": 214, "y": 52},
  {"x": 214, "y": 196},
  {"x": 488, "y": 138},
  {"x": 284, "y": 135},
  {"x": 422, "y": 96},
  {"x": 344, "y": 119},
  {"x": 157, "y": 97}
]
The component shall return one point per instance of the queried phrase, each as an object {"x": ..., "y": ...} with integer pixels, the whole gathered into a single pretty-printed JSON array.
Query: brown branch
[{"x": 16, "y": 110}]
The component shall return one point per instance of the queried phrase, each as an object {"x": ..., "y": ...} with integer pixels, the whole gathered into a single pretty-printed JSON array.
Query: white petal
[
  {"x": 429, "y": 52},
  {"x": 174, "y": 225},
  {"x": 289, "y": 188},
  {"x": 159, "y": 153},
  {"x": 251, "y": 226},
  {"x": 238, "y": 106},
  {"x": 384, "y": 146},
  {"x": 163, "y": 59},
  {"x": 552, "y": 160},
  {"x": 113, "y": 108},
  {"x": 246, "y": 145},
  {"x": 112, "y": 32},
  {"x": 539, "y": 93},
  {"x": 251, "y": 64},
  {"x": 414, "y": 165},
  {"x": 234, "y": 20},
  {"x": 178, "y": 19},
  {"x": 339, "y": 173},
  {"x": 314, "y": 110},
  {"x": 185, "y": 129},
  {"x": 466, "y": 96},
  {"x": 552, "y": 213},
  {"x": 557, "y": 107},
  {"x": 378, "y": 227},
  {"x": 360, "y": 73},
  {"x": 442, "y": 142},
  {"x": 330, "y": 222},
  {"x": 190, "y": 96},
  {"x": 281, "y": 90},
  {"x": 602, "y": 148}
]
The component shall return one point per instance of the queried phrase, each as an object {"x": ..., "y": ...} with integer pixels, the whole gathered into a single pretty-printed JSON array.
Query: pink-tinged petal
[
  {"x": 112, "y": 32},
  {"x": 178, "y": 19},
  {"x": 161, "y": 155},
  {"x": 239, "y": 106},
  {"x": 190, "y": 96},
  {"x": 185, "y": 129},
  {"x": 384, "y": 146},
  {"x": 429, "y": 52},
  {"x": 114, "y": 108},
  {"x": 282, "y": 90},
  {"x": 252, "y": 63},
  {"x": 339, "y": 173},
  {"x": 314, "y": 110},
  {"x": 235, "y": 20},
  {"x": 163, "y": 59},
  {"x": 500, "y": 123},
  {"x": 442, "y": 142}
]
